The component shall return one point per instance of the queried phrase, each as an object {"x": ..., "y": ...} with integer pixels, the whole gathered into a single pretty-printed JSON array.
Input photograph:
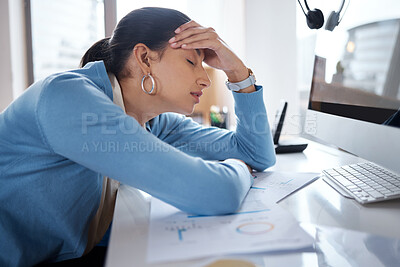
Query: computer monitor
[{"x": 355, "y": 92}]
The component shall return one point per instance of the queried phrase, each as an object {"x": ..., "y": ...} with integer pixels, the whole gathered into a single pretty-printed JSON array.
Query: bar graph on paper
[{"x": 183, "y": 230}]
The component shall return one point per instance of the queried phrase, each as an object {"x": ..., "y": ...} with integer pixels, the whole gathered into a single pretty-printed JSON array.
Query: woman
[{"x": 117, "y": 117}]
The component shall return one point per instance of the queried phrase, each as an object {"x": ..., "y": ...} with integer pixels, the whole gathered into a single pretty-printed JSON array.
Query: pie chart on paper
[{"x": 254, "y": 228}]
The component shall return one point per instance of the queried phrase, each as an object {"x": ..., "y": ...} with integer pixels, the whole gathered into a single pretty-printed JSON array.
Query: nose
[{"x": 204, "y": 81}]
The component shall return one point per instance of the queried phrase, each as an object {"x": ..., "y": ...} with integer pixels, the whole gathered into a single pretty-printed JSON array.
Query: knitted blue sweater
[{"x": 61, "y": 137}]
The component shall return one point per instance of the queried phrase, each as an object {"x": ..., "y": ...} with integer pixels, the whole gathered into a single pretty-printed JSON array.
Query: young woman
[{"x": 117, "y": 117}]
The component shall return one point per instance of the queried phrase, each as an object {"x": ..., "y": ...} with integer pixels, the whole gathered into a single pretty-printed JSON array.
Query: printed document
[{"x": 259, "y": 226}]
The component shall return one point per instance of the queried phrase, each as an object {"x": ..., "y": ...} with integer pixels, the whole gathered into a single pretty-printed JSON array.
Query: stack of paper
[{"x": 259, "y": 226}]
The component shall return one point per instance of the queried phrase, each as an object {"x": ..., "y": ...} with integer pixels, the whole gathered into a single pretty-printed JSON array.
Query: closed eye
[{"x": 190, "y": 62}]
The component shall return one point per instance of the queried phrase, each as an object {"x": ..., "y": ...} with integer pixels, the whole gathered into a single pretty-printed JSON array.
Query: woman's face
[{"x": 180, "y": 78}]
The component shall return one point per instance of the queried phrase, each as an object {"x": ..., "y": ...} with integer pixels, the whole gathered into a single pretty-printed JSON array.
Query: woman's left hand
[{"x": 192, "y": 35}]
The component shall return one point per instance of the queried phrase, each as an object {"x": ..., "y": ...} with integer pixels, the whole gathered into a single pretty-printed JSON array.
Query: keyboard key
[
  {"x": 355, "y": 190},
  {"x": 392, "y": 188},
  {"x": 350, "y": 187},
  {"x": 367, "y": 182},
  {"x": 358, "y": 194},
  {"x": 392, "y": 194},
  {"x": 375, "y": 194},
  {"x": 343, "y": 181}
]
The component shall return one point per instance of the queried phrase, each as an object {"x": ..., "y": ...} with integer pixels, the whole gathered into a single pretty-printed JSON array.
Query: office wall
[
  {"x": 6, "y": 93},
  {"x": 271, "y": 52}
]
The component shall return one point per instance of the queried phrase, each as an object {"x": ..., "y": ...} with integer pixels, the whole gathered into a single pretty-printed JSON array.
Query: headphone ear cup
[
  {"x": 315, "y": 19},
  {"x": 333, "y": 21}
]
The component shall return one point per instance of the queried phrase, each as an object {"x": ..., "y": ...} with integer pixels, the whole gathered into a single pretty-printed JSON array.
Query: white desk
[{"x": 317, "y": 204}]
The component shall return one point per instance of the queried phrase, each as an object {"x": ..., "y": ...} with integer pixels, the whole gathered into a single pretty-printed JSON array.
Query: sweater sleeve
[
  {"x": 78, "y": 121},
  {"x": 251, "y": 142}
]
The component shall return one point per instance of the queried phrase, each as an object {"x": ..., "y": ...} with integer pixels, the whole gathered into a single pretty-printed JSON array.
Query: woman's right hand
[
  {"x": 192, "y": 35},
  {"x": 248, "y": 167}
]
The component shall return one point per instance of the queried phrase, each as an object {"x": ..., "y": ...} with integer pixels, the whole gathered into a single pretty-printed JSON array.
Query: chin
[
  {"x": 191, "y": 111},
  {"x": 185, "y": 111}
]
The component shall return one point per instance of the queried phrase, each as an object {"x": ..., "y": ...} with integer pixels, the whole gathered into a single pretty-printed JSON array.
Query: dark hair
[{"x": 152, "y": 26}]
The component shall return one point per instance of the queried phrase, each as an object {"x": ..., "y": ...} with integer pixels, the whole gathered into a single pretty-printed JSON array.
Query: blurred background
[{"x": 41, "y": 37}]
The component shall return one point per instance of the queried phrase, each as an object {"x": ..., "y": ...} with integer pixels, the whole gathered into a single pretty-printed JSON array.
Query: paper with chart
[
  {"x": 274, "y": 186},
  {"x": 260, "y": 224}
]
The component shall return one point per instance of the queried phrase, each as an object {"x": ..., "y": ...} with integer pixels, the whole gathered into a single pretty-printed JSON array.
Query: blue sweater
[{"x": 61, "y": 137}]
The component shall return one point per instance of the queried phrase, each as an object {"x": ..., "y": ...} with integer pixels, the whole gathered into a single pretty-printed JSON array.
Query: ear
[{"x": 143, "y": 55}]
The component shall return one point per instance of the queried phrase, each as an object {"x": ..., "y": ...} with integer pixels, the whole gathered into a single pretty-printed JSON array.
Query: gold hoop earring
[{"x": 152, "y": 84}]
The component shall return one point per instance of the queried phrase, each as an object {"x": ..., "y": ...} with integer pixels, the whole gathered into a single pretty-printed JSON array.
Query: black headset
[{"x": 315, "y": 18}]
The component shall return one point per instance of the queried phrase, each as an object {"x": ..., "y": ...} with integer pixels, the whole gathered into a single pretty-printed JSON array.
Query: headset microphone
[
  {"x": 333, "y": 19},
  {"x": 315, "y": 18}
]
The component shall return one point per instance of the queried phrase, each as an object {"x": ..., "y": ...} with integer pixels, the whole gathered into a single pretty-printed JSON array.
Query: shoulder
[
  {"x": 71, "y": 101},
  {"x": 68, "y": 82},
  {"x": 92, "y": 77},
  {"x": 74, "y": 93},
  {"x": 80, "y": 86}
]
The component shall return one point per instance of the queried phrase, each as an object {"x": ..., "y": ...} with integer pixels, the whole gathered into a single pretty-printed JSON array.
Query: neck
[{"x": 137, "y": 104}]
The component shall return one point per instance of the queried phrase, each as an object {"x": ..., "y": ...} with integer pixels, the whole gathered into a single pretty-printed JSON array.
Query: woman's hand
[
  {"x": 192, "y": 35},
  {"x": 248, "y": 167}
]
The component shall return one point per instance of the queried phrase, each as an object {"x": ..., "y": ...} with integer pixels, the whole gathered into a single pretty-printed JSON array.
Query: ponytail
[{"x": 99, "y": 51}]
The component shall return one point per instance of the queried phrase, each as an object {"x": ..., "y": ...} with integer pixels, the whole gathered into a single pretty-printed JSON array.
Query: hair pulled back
[{"x": 152, "y": 26}]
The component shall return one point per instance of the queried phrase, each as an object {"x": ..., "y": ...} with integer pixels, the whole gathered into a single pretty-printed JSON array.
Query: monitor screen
[
  {"x": 355, "y": 90},
  {"x": 357, "y": 73}
]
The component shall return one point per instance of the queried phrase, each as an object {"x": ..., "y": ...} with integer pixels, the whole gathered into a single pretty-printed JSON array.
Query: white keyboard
[{"x": 366, "y": 182}]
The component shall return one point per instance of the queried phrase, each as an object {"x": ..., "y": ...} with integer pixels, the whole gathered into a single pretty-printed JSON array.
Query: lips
[{"x": 197, "y": 95}]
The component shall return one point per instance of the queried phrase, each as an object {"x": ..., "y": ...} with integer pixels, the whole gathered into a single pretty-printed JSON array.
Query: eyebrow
[{"x": 199, "y": 53}]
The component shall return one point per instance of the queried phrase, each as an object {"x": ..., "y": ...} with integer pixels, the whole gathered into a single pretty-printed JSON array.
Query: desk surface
[{"x": 318, "y": 204}]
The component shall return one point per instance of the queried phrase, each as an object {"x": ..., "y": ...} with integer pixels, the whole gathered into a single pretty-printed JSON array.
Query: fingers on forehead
[{"x": 187, "y": 25}]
